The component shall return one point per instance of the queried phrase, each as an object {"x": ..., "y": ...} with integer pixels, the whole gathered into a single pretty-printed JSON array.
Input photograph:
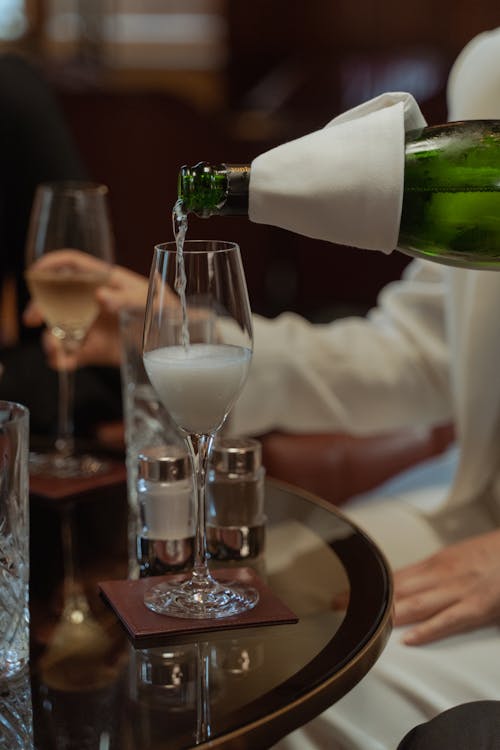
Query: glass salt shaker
[
  {"x": 164, "y": 678},
  {"x": 166, "y": 530},
  {"x": 235, "y": 500}
]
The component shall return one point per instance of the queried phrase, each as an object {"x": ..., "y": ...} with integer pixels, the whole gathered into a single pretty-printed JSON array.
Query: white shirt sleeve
[{"x": 362, "y": 375}]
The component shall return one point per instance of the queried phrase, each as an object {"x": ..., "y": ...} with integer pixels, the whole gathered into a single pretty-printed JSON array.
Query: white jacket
[{"x": 428, "y": 353}]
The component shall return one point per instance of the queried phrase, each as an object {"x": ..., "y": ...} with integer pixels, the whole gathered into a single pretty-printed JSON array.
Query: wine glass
[
  {"x": 68, "y": 216},
  {"x": 197, "y": 352}
]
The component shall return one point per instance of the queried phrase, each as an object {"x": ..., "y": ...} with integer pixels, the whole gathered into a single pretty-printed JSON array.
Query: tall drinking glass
[
  {"x": 147, "y": 424},
  {"x": 68, "y": 216},
  {"x": 14, "y": 539},
  {"x": 197, "y": 353}
]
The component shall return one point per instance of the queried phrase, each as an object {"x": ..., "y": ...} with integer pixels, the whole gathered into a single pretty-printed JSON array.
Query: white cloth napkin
[{"x": 343, "y": 183}]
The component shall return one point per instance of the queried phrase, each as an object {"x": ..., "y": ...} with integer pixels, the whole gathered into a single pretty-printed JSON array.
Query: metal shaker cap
[
  {"x": 164, "y": 463},
  {"x": 236, "y": 455}
]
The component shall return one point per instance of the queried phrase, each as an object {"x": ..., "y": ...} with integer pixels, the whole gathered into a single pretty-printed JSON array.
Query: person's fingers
[
  {"x": 63, "y": 260},
  {"x": 124, "y": 288},
  {"x": 425, "y": 604},
  {"x": 461, "y": 617},
  {"x": 97, "y": 350},
  {"x": 112, "y": 300},
  {"x": 449, "y": 563},
  {"x": 70, "y": 258},
  {"x": 415, "y": 578},
  {"x": 32, "y": 316},
  {"x": 477, "y": 604},
  {"x": 57, "y": 357}
]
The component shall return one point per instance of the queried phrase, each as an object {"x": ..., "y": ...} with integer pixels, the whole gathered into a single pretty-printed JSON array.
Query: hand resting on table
[{"x": 453, "y": 591}]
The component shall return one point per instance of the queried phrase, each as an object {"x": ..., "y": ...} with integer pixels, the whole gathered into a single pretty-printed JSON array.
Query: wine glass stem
[
  {"x": 203, "y": 728},
  {"x": 199, "y": 449},
  {"x": 65, "y": 443}
]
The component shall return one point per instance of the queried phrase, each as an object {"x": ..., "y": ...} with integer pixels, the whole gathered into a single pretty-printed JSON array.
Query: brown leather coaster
[{"x": 126, "y": 598}]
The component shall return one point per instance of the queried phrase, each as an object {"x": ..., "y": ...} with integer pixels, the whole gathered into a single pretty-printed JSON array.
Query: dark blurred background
[{"x": 146, "y": 86}]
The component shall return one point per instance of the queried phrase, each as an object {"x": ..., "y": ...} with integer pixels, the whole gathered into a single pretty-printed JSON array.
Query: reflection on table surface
[{"x": 237, "y": 688}]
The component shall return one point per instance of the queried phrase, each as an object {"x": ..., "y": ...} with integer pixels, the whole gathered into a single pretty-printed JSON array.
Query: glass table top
[{"x": 234, "y": 688}]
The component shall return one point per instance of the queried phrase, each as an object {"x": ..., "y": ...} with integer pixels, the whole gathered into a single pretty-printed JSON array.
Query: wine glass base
[
  {"x": 65, "y": 467},
  {"x": 209, "y": 601}
]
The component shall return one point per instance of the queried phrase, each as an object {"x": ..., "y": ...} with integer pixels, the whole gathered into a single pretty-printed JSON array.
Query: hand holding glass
[{"x": 197, "y": 361}]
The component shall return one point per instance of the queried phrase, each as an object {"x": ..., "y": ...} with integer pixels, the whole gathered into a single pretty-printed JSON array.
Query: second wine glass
[
  {"x": 66, "y": 216},
  {"x": 197, "y": 353}
]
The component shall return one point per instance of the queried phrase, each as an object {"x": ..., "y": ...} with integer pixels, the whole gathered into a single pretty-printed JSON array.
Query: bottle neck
[
  {"x": 238, "y": 180},
  {"x": 214, "y": 189}
]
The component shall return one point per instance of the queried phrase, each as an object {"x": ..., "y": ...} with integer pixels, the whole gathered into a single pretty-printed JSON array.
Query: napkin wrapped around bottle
[{"x": 343, "y": 183}]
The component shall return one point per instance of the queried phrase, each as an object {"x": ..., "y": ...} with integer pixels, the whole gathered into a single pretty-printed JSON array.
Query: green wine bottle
[{"x": 451, "y": 201}]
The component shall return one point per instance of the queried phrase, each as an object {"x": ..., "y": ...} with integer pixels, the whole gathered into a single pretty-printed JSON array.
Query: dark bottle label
[{"x": 238, "y": 180}]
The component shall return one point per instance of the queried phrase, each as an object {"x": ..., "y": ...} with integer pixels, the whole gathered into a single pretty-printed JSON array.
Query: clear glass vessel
[
  {"x": 197, "y": 351},
  {"x": 68, "y": 216}
]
